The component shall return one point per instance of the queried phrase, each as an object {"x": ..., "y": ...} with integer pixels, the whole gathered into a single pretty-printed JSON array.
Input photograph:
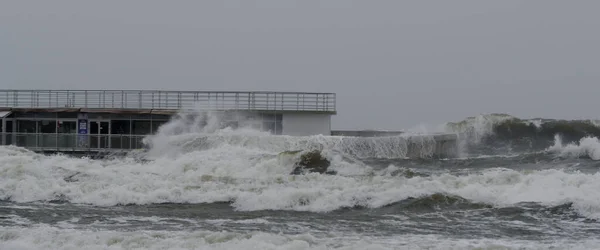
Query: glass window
[
  {"x": 9, "y": 129},
  {"x": 156, "y": 125},
  {"x": 25, "y": 126},
  {"x": 278, "y": 128},
  {"x": 47, "y": 126},
  {"x": 120, "y": 127},
  {"x": 67, "y": 127},
  {"x": 141, "y": 127},
  {"x": 269, "y": 126}
]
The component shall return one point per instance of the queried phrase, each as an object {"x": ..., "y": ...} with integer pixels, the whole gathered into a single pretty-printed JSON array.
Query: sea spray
[
  {"x": 587, "y": 147},
  {"x": 502, "y": 134},
  {"x": 204, "y": 131}
]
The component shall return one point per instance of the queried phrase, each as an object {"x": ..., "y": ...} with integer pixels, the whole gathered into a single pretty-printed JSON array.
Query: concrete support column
[
  {"x": 14, "y": 131},
  {"x": 3, "y": 132}
]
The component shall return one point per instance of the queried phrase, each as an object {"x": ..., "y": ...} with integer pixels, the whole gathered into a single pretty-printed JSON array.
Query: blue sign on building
[{"x": 82, "y": 130}]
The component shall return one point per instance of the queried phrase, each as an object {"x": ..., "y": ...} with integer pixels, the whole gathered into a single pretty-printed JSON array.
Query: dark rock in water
[
  {"x": 407, "y": 173},
  {"x": 312, "y": 162},
  {"x": 71, "y": 178}
]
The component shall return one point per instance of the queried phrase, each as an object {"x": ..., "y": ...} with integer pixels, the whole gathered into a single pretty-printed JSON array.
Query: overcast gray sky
[{"x": 393, "y": 64}]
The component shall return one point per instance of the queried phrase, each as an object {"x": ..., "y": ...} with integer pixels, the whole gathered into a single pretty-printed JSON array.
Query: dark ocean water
[{"x": 500, "y": 193}]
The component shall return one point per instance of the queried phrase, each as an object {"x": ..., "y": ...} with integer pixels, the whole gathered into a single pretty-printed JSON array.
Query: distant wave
[
  {"x": 485, "y": 133},
  {"x": 506, "y": 127}
]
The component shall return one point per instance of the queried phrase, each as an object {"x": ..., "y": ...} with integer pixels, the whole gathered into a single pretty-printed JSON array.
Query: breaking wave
[
  {"x": 505, "y": 134},
  {"x": 587, "y": 147},
  {"x": 253, "y": 180},
  {"x": 189, "y": 133}
]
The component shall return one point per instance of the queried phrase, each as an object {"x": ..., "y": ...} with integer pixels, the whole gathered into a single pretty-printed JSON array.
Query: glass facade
[{"x": 114, "y": 132}]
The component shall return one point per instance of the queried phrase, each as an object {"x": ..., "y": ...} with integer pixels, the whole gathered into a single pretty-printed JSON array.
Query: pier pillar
[{"x": 3, "y": 132}]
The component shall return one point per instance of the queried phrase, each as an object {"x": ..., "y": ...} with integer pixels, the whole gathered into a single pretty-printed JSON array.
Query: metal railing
[
  {"x": 154, "y": 99},
  {"x": 75, "y": 142}
]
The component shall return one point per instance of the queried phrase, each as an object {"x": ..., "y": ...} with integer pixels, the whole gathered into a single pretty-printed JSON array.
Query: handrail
[
  {"x": 71, "y": 141},
  {"x": 160, "y": 99}
]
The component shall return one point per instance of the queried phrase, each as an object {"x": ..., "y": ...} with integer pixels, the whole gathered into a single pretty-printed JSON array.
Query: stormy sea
[{"x": 513, "y": 184}]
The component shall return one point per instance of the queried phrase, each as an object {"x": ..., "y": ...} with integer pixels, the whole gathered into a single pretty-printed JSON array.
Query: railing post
[
  {"x": 334, "y": 102},
  {"x": 159, "y": 100},
  {"x": 179, "y": 100},
  {"x": 237, "y": 101}
]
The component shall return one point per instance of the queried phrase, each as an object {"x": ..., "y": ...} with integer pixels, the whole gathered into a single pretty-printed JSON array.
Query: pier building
[{"x": 94, "y": 120}]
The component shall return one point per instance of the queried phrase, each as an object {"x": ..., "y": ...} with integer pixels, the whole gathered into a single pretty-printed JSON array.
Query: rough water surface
[{"x": 530, "y": 191}]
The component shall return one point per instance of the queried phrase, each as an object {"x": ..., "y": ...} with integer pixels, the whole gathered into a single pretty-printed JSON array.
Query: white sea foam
[
  {"x": 255, "y": 178},
  {"x": 194, "y": 132},
  {"x": 46, "y": 237},
  {"x": 255, "y": 182},
  {"x": 587, "y": 146}
]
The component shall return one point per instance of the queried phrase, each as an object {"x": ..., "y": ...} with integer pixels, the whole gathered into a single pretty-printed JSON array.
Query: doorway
[{"x": 99, "y": 134}]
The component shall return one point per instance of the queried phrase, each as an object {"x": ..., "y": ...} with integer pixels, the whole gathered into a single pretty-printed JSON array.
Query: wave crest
[{"x": 587, "y": 147}]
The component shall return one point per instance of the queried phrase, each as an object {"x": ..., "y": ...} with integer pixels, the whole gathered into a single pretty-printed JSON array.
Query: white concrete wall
[{"x": 304, "y": 124}]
